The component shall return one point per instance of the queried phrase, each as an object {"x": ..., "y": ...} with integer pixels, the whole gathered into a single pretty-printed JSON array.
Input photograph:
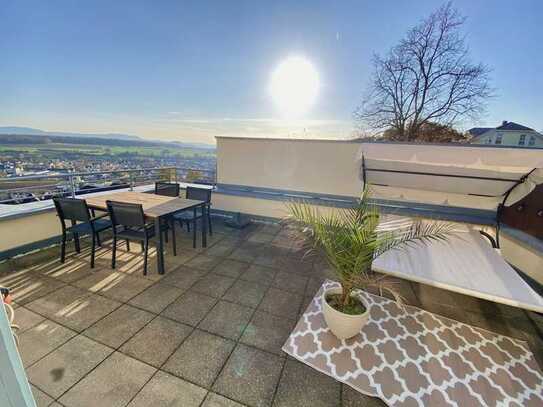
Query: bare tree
[{"x": 427, "y": 77}]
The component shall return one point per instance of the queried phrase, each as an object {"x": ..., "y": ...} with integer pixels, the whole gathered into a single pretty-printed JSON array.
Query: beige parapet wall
[
  {"x": 333, "y": 167},
  {"x": 297, "y": 165},
  {"x": 28, "y": 229}
]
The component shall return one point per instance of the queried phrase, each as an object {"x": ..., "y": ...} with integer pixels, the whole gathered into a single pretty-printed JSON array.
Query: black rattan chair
[
  {"x": 76, "y": 210},
  {"x": 199, "y": 194},
  {"x": 167, "y": 188},
  {"x": 129, "y": 224}
]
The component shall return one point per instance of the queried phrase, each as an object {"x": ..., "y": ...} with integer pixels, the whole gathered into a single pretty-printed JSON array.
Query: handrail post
[
  {"x": 131, "y": 180},
  {"x": 72, "y": 185}
]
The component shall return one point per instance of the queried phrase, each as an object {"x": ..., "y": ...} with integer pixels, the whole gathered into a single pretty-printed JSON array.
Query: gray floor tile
[
  {"x": 190, "y": 308},
  {"x": 221, "y": 249},
  {"x": 259, "y": 237},
  {"x": 61, "y": 369},
  {"x": 42, "y": 339},
  {"x": 270, "y": 228},
  {"x": 114, "y": 383},
  {"x": 246, "y": 293},
  {"x": 249, "y": 376},
  {"x": 300, "y": 385},
  {"x": 268, "y": 332},
  {"x": 156, "y": 341},
  {"x": 72, "y": 270},
  {"x": 268, "y": 259},
  {"x": 183, "y": 277},
  {"x": 203, "y": 262},
  {"x": 74, "y": 307},
  {"x": 231, "y": 268},
  {"x": 259, "y": 274},
  {"x": 213, "y": 285},
  {"x": 281, "y": 303},
  {"x": 119, "y": 326},
  {"x": 216, "y": 400},
  {"x": 156, "y": 298},
  {"x": 167, "y": 390},
  {"x": 41, "y": 399},
  {"x": 303, "y": 267},
  {"x": 313, "y": 285},
  {"x": 290, "y": 282},
  {"x": 247, "y": 253},
  {"x": 200, "y": 358},
  {"x": 352, "y": 398},
  {"x": 26, "y": 319},
  {"x": 227, "y": 319},
  {"x": 114, "y": 285},
  {"x": 26, "y": 288}
]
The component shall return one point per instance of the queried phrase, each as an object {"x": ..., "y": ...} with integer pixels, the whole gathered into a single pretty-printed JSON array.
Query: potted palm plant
[{"x": 351, "y": 238}]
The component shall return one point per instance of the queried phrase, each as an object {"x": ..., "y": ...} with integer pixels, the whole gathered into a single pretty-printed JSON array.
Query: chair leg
[
  {"x": 194, "y": 234},
  {"x": 113, "y": 251},
  {"x": 98, "y": 241},
  {"x": 209, "y": 223},
  {"x": 142, "y": 247},
  {"x": 93, "y": 248},
  {"x": 188, "y": 226},
  {"x": 76, "y": 241},
  {"x": 63, "y": 248},
  {"x": 172, "y": 223},
  {"x": 127, "y": 245},
  {"x": 145, "y": 251}
]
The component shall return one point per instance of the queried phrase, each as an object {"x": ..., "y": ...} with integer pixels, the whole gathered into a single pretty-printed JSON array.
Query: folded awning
[
  {"x": 466, "y": 264},
  {"x": 457, "y": 169}
]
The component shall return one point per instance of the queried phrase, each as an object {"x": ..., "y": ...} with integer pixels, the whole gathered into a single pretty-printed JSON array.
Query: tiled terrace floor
[{"x": 207, "y": 333}]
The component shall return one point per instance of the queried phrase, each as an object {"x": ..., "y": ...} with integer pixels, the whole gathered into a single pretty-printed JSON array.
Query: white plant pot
[{"x": 342, "y": 325}]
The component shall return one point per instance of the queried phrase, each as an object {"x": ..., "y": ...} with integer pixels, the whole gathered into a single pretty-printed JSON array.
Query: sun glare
[{"x": 294, "y": 86}]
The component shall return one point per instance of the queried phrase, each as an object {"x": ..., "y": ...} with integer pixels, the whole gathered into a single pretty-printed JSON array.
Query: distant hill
[{"x": 29, "y": 131}]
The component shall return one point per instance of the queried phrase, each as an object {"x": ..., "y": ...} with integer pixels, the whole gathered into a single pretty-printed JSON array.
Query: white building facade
[{"x": 508, "y": 134}]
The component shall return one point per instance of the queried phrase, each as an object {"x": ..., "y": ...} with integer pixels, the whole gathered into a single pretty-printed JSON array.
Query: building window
[
  {"x": 498, "y": 139},
  {"x": 532, "y": 141},
  {"x": 522, "y": 140},
  {"x": 489, "y": 141}
]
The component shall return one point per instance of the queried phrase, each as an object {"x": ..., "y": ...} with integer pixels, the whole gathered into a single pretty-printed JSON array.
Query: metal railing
[{"x": 39, "y": 187}]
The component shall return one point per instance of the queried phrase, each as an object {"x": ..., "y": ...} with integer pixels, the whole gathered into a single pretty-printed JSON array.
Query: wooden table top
[{"x": 153, "y": 205}]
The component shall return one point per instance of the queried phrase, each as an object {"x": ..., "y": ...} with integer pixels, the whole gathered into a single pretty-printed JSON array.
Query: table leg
[
  {"x": 160, "y": 246},
  {"x": 204, "y": 226}
]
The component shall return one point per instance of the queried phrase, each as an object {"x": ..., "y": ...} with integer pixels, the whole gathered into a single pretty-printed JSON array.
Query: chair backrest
[
  {"x": 125, "y": 214},
  {"x": 167, "y": 188},
  {"x": 199, "y": 194},
  {"x": 72, "y": 209}
]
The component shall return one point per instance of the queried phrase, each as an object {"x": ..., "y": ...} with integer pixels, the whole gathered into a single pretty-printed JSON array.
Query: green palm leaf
[{"x": 352, "y": 238}]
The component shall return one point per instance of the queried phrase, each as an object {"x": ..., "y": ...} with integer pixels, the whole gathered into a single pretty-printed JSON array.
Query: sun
[{"x": 294, "y": 86}]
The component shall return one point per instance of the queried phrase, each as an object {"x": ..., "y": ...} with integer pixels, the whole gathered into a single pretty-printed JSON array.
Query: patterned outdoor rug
[{"x": 414, "y": 357}]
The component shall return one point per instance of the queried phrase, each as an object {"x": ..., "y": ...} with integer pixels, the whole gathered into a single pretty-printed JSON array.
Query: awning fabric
[
  {"x": 520, "y": 191},
  {"x": 468, "y": 170},
  {"x": 465, "y": 264}
]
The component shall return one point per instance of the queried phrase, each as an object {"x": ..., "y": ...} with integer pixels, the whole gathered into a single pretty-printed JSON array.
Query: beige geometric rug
[{"x": 416, "y": 358}]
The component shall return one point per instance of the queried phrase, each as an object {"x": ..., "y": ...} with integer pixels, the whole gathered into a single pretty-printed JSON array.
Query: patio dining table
[{"x": 156, "y": 208}]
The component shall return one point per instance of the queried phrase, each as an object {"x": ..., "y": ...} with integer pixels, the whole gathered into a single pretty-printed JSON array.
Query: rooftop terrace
[
  {"x": 210, "y": 331},
  {"x": 207, "y": 333}
]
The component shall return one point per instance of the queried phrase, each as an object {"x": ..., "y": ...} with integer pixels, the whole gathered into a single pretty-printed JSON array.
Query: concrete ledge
[
  {"x": 529, "y": 241},
  {"x": 404, "y": 208}
]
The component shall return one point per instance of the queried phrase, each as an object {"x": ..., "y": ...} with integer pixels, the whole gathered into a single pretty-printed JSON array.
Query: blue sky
[{"x": 191, "y": 70}]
